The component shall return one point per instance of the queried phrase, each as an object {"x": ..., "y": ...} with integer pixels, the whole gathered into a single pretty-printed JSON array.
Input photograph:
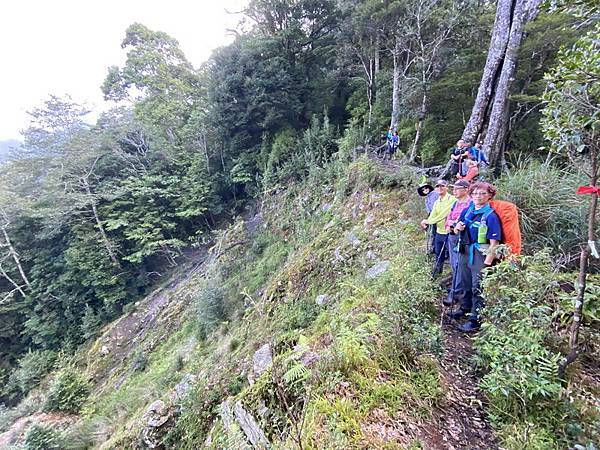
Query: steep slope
[{"x": 311, "y": 324}]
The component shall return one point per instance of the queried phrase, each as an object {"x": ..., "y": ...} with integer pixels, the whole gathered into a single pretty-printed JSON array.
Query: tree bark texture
[
  {"x": 498, "y": 43},
  {"x": 15, "y": 256},
  {"x": 495, "y": 137},
  {"x": 396, "y": 84}
]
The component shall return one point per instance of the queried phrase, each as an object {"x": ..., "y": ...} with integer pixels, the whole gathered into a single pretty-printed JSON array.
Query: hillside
[{"x": 312, "y": 323}]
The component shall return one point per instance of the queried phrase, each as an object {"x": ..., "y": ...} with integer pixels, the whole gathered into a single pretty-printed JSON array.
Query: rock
[
  {"x": 378, "y": 269},
  {"x": 352, "y": 239},
  {"x": 371, "y": 255},
  {"x": 323, "y": 300},
  {"x": 329, "y": 224},
  {"x": 156, "y": 414},
  {"x": 326, "y": 207},
  {"x": 250, "y": 427},
  {"x": 104, "y": 350},
  {"x": 261, "y": 361},
  {"x": 233, "y": 431},
  {"x": 369, "y": 219},
  {"x": 226, "y": 413},
  {"x": 182, "y": 388},
  {"x": 157, "y": 419}
]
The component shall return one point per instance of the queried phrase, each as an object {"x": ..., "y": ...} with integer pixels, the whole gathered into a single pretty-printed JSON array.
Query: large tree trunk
[
  {"x": 500, "y": 36},
  {"x": 396, "y": 84},
  {"x": 422, "y": 112},
  {"x": 495, "y": 138}
]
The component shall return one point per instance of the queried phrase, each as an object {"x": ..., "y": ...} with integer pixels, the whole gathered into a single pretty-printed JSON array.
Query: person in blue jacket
[{"x": 481, "y": 230}]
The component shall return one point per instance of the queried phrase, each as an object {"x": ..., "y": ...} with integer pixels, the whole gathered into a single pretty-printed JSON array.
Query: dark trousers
[
  {"x": 471, "y": 275},
  {"x": 440, "y": 249},
  {"x": 457, "y": 290}
]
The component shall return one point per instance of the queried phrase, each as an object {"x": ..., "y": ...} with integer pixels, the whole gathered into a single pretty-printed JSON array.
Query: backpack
[{"x": 508, "y": 213}]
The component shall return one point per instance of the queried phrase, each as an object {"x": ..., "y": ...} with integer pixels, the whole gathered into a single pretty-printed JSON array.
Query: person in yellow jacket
[{"x": 437, "y": 217}]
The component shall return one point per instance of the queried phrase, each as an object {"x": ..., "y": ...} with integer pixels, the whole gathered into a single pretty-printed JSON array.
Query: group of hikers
[{"x": 467, "y": 226}]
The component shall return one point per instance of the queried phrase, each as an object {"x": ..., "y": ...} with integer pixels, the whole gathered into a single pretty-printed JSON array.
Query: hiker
[
  {"x": 460, "y": 190},
  {"x": 477, "y": 154},
  {"x": 470, "y": 168},
  {"x": 391, "y": 145},
  {"x": 437, "y": 217},
  {"x": 456, "y": 156},
  {"x": 431, "y": 195},
  {"x": 480, "y": 226}
]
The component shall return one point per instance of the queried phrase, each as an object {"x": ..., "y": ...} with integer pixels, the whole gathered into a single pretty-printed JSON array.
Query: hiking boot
[
  {"x": 449, "y": 301},
  {"x": 469, "y": 327},
  {"x": 458, "y": 314}
]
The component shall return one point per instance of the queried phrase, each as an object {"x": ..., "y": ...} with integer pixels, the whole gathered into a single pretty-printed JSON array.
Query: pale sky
[{"x": 65, "y": 46}]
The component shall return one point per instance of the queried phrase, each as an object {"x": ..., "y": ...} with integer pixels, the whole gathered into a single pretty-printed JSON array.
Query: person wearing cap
[
  {"x": 437, "y": 217},
  {"x": 460, "y": 190}
]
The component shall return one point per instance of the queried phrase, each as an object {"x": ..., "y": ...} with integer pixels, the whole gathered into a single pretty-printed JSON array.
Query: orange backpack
[{"x": 508, "y": 213}]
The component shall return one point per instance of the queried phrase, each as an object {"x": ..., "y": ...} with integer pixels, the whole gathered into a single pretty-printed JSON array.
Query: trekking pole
[
  {"x": 437, "y": 260},
  {"x": 454, "y": 275}
]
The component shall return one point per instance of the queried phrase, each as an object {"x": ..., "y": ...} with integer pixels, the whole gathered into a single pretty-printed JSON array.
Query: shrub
[
  {"x": 68, "y": 391},
  {"x": 210, "y": 307},
  {"x": 515, "y": 349},
  {"x": 33, "y": 367},
  {"x": 42, "y": 437}
]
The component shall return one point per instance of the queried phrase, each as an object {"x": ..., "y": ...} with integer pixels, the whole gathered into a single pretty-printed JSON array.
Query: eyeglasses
[
  {"x": 441, "y": 185},
  {"x": 479, "y": 193}
]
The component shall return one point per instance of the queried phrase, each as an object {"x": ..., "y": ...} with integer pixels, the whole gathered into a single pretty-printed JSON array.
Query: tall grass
[{"x": 552, "y": 215}]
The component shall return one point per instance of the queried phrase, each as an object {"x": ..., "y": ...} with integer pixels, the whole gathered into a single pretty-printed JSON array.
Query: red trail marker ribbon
[{"x": 582, "y": 190}]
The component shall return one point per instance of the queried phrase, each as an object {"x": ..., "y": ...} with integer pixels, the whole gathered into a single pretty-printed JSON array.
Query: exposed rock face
[
  {"x": 261, "y": 361},
  {"x": 378, "y": 269},
  {"x": 156, "y": 419},
  {"x": 250, "y": 427}
]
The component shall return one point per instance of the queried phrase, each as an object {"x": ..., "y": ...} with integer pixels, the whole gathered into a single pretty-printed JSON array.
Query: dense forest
[{"x": 93, "y": 215}]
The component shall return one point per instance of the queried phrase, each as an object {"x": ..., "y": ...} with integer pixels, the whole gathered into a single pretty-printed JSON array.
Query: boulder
[
  {"x": 182, "y": 388},
  {"x": 352, "y": 239},
  {"x": 323, "y": 300},
  {"x": 156, "y": 423},
  {"x": 261, "y": 361}
]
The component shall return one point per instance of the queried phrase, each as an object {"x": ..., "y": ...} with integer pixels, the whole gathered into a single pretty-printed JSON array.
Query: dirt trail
[{"x": 460, "y": 422}]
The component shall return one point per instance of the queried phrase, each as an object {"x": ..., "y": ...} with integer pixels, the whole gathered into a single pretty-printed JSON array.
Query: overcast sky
[{"x": 65, "y": 46}]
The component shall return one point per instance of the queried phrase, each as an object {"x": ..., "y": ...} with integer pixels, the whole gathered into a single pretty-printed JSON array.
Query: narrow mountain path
[{"x": 460, "y": 422}]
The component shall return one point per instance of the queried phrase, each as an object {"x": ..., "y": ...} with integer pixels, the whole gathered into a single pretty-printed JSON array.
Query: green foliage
[
  {"x": 68, "y": 391},
  {"x": 515, "y": 346},
  {"x": 210, "y": 305},
  {"x": 33, "y": 367},
  {"x": 42, "y": 437},
  {"x": 571, "y": 115}
]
